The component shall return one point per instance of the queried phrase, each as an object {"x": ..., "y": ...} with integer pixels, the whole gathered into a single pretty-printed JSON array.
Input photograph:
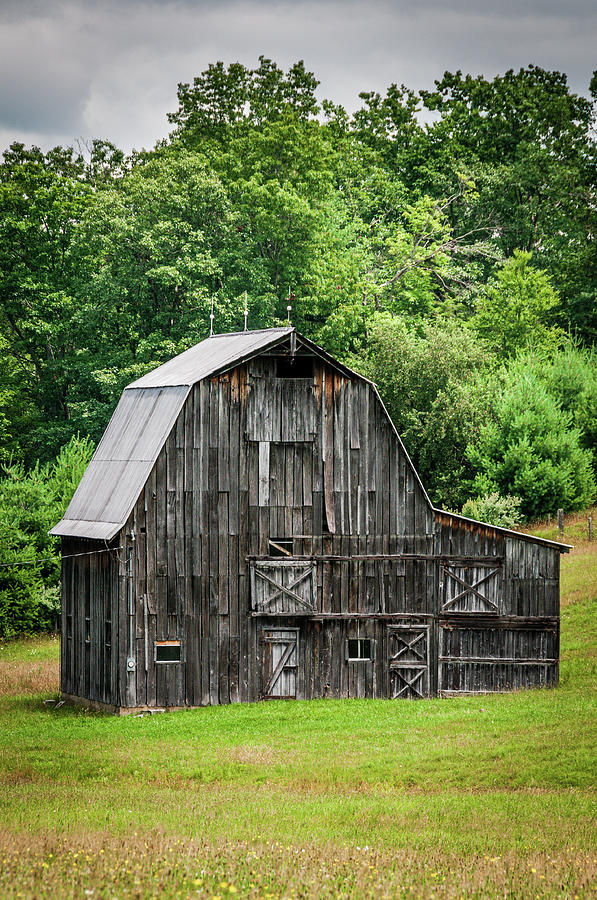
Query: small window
[
  {"x": 69, "y": 626},
  {"x": 108, "y": 635},
  {"x": 167, "y": 651},
  {"x": 87, "y": 631},
  {"x": 294, "y": 367},
  {"x": 359, "y": 649},
  {"x": 280, "y": 546}
]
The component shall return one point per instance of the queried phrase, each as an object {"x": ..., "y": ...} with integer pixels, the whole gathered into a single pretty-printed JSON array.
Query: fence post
[{"x": 561, "y": 521}]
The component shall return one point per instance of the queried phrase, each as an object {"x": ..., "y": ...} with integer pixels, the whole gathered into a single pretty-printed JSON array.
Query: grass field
[{"x": 490, "y": 796}]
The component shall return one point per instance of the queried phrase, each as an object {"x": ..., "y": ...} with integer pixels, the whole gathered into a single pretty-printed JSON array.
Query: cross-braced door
[
  {"x": 471, "y": 588},
  {"x": 283, "y": 586},
  {"x": 408, "y": 658},
  {"x": 279, "y": 663}
]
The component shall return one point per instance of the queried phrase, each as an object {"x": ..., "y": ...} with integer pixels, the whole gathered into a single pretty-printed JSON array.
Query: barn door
[
  {"x": 279, "y": 663},
  {"x": 283, "y": 586},
  {"x": 408, "y": 659},
  {"x": 470, "y": 588}
]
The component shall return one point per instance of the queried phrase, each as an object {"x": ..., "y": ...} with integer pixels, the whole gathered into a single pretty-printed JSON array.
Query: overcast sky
[{"x": 109, "y": 68}]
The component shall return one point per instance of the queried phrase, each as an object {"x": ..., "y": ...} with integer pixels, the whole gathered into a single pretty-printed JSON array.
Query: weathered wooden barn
[{"x": 251, "y": 526}]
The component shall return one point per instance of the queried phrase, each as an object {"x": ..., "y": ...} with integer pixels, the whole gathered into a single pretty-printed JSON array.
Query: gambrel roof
[
  {"x": 145, "y": 416},
  {"x": 139, "y": 426}
]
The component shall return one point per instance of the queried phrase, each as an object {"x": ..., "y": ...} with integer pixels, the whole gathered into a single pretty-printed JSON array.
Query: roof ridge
[{"x": 252, "y": 331}]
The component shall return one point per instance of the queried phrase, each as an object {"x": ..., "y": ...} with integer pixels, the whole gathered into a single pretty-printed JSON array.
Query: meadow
[{"x": 473, "y": 797}]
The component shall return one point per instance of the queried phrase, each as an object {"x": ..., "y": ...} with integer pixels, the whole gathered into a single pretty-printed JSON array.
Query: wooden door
[
  {"x": 474, "y": 587},
  {"x": 408, "y": 660},
  {"x": 283, "y": 586},
  {"x": 279, "y": 663}
]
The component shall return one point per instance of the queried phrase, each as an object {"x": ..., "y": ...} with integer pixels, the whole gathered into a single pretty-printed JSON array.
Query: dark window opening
[
  {"x": 69, "y": 626},
  {"x": 358, "y": 649},
  {"x": 87, "y": 631},
  {"x": 280, "y": 546},
  {"x": 108, "y": 636},
  {"x": 294, "y": 367},
  {"x": 167, "y": 651},
  {"x": 325, "y": 528}
]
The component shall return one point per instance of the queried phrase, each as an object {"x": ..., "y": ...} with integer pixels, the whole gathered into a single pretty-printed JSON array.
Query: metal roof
[
  {"x": 137, "y": 431},
  {"x": 210, "y": 356},
  {"x": 122, "y": 462}
]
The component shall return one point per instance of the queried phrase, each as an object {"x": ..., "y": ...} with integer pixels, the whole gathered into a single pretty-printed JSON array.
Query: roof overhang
[
  {"x": 79, "y": 528},
  {"x": 555, "y": 545}
]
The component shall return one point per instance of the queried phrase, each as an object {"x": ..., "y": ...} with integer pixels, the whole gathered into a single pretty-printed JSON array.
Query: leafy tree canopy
[{"x": 515, "y": 308}]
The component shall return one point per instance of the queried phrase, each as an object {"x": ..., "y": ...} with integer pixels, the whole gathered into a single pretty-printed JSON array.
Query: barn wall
[
  {"x": 508, "y": 637},
  {"x": 89, "y": 624}
]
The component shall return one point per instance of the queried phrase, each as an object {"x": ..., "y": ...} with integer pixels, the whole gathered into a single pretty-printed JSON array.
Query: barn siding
[
  {"x": 246, "y": 462},
  {"x": 89, "y": 661},
  {"x": 515, "y": 646}
]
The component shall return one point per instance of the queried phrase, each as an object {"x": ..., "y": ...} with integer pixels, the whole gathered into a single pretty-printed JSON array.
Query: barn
[{"x": 251, "y": 527}]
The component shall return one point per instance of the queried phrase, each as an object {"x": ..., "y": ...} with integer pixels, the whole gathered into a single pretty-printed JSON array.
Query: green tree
[
  {"x": 494, "y": 509},
  {"x": 221, "y": 100},
  {"x": 528, "y": 448},
  {"x": 431, "y": 384},
  {"x": 570, "y": 376},
  {"x": 280, "y": 181},
  {"x": 528, "y": 143},
  {"x": 514, "y": 310},
  {"x": 42, "y": 197},
  {"x": 151, "y": 255}
]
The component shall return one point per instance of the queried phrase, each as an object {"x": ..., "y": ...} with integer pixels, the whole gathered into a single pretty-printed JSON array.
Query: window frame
[
  {"x": 167, "y": 643},
  {"x": 278, "y": 547},
  {"x": 360, "y": 658}
]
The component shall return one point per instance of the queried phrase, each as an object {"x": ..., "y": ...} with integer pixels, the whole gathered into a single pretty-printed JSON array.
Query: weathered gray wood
[{"x": 253, "y": 458}]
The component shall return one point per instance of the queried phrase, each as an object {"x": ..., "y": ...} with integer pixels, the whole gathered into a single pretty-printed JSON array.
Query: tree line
[{"x": 441, "y": 242}]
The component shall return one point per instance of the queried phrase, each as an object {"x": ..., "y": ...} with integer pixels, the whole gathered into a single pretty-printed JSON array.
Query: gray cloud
[{"x": 110, "y": 69}]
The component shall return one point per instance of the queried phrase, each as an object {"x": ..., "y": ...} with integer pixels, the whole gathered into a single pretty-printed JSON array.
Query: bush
[
  {"x": 30, "y": 504},
  {"x": 494, "y": 510}
]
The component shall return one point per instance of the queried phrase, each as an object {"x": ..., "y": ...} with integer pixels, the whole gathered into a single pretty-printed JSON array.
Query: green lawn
[{"x": 488, "y": 796}]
